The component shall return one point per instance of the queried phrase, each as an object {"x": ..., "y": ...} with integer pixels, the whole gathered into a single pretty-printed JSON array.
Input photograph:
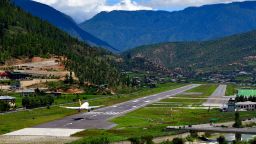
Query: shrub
[
  {"x": 37, "y": 101},
  {"x": 178, "y": 141},
  {"x": 4, "y": 106},
  {"x": 221, "y": 140},
  {"x": 166, "y": 142},
  {"x": 135, "y": 140},
  {"x": 147, "y": 139},
  {"x": 253, "y": 141},
  {"x": 101, "y": 140}
]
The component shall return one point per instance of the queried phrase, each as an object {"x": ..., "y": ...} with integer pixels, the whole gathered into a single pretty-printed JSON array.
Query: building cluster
[
  {"x": 245, "y": 101},
  {"x": 150, "y": 81},
  {"x": 14, "y": 75},
  {"x": 9, "y": 100}
]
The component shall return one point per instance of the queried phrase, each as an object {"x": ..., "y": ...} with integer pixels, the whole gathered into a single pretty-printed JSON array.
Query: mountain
[
  {"x": 23, "y": 35},
  {"x": 61, "y": 21},
  {"x": 129, "y": 29},
  {"x": 237, "y": 51}
]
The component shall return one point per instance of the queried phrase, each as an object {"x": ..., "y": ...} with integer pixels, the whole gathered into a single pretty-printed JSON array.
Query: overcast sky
[{"x": 81, "y": 10}]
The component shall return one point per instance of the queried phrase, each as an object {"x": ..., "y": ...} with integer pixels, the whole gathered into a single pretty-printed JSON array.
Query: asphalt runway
[
  {"x": 99, "y": 118},
  {"x": 217, "y": 98}
]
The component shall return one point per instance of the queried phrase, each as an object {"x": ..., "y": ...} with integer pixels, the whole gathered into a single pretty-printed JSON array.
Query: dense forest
[
  {"x": 22, "y": 35},
  {"x": 229, "y": 52}
]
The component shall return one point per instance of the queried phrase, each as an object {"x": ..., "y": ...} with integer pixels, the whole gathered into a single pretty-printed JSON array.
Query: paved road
[
  {"x": 216, "y": 99},
  {"x": 217, "y": 128},
  {"x": 99, "y": 118}
]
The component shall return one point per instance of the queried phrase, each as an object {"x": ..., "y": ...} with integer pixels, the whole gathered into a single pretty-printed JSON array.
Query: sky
[{"x": 81, "y": 10}]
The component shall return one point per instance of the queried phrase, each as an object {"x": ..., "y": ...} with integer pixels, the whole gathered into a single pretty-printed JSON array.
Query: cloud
[
  {"x": 82, "y": 10},
  {"x": 165, "y": 4}
]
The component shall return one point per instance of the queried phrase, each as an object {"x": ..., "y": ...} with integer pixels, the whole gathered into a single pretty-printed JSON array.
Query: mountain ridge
[
  {"x": 129, "y": 29},
  {"x": 60, "y": 20},
  {"x": 211, "y": 54},
  {"x": 25, "y": 36}
]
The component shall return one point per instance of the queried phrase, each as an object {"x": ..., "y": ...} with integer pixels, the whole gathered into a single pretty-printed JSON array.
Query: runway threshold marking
[{"x": 44, "y": 132}]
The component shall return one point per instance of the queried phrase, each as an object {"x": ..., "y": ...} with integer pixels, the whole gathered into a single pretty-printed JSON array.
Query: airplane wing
[
  {"x": 74, "y": 108},
  {"x": 93, "y": 107}
]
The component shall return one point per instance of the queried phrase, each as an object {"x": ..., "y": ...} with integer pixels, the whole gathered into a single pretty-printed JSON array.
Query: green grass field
[
  {"x": 18, "y": 120},
  {"x": 152, "y": 121},
  {"x": 231, "y": 90},
  {"x": 65, "y": 98},
  {"x": 141, "y": 93},
  {"x": 203, "y": 91},
  {"x": 206, "y": 90}
]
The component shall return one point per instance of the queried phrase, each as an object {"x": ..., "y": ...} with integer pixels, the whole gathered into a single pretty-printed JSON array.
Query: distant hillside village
[
  {"x": 31, "y": 82},
  {"x": 242, "y": 78}
]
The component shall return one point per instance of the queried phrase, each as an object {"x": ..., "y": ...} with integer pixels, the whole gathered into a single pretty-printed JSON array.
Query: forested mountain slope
[
  {"x": 61, "y": 21},
  {"x": 22, "y": 35},
  {"x": 129, "y": 29},
  {"x": 195, "y": 55}
]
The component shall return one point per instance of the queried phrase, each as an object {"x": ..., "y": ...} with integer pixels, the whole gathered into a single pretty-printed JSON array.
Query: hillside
[
  {"x": 234, "y": 51},
  {"x": 22, "y": 35},
  {"x": 129, "y": 29},
  {"x": 61, "y": 21}
]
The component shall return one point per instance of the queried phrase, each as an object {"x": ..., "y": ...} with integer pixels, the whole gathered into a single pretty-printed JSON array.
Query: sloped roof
[
  {"x": 246, "y": 103},
  {"x": 7, "y": 98}
]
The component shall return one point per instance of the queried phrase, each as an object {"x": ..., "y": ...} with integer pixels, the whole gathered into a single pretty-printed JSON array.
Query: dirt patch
[
  {"x": 74, "y": 91},
  {"x": 37, "y": 59},
  {"x": 35, "y": 81}
]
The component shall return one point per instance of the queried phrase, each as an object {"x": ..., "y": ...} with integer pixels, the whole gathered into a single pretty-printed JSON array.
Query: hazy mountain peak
[
  {"x": 61, "y": 21},
  {"x": 128, "y": 29}
]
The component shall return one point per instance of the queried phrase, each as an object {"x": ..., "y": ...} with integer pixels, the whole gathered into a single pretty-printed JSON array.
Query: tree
[
  {"x": 35, "y": 37},
  {"x": 178, "y": 141},
  {"x": 148, "y": 139},
  {"x": 253, "y": 141},
  {"x": 221, "y": 140},
  {"x": 241, "y": 142},
  {"x": 4, "y": 106},
  {"x": 166, "y": 142},
  {"x": 135, "y": 140},
  {"x": 238, "y": 122},
  {"x": 25, "y": 102}
]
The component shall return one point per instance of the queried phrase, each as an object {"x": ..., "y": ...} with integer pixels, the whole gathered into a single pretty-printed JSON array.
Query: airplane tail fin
[{"x": 80, "y": 103}]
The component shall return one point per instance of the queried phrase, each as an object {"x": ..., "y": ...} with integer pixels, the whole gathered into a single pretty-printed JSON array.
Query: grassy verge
[
  {"x": 203, "y": 91},
  {"x": 141, "y": 93},
  {"x": 152, "y": 121},
  {"x": 14, "y": 121},
  {"x": 64, "y": 98},
  {"x": 231, "y": 90}
]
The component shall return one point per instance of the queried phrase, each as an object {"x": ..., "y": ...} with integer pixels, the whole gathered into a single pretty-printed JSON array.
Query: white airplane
[{"x": 84, "y": 106}]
